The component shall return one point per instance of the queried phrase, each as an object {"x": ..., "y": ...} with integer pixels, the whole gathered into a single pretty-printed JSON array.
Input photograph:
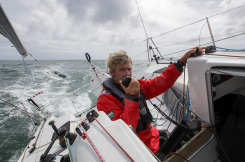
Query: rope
[
  {"x": 85, "y": 136},
  {"x": 183, "y": 106},
  {"x": 69, "y": 149},
  {"x": 114, "y": 139},
  {"x": 161, "y": 118},
  {"x": 233, "y": 50},
  {"x": 42, "y": 146},
  {"x": 188, "y": 105},
  {"x": 57, "y": 154},
  {"x": 224, "y": 55}
]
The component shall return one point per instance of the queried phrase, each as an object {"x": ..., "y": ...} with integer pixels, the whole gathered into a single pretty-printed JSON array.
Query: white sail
[{"x": 7, "y": 30}]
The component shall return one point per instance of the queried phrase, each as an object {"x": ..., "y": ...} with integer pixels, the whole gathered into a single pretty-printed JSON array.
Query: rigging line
[
  {"x": 173, "y": 112},
  {"x": 206, "y": 44},
  {"x": 144, "y": 30},
  {"x": 169, "y": 118},
  {"x": 24, "y": 64},
  {"x": 201, "y": 32},
  {"x": 141, "y": 19},
  {"x": 84, "y": 111},
  {"x": 162, "y": 117},
  {"x": 12, "y": 105},
  {"x": 69, "y": 80},
  {"x": 138, "y": 55},
  {"x": 40, "y": 62},
  {"x": 226, "y": 11},
  {"x": 197, "y": 39},
  {"x": 179, "y": 43},
  {"x": 37, "y": 137},
  {"x": 72, "y": 100},
  {"x": 35, "y": 111},
  {"x": 196, "y": 22},
  {"x": 135, "y": 44},
  {"x": 225, "y": 38},
  {"x": 78, "y": 87},
  {"x": 32, "y": 120},
  {"x": 12, "y": 133},
  {"x": 186, "y": 25},
  {"x": 30, "y": 141},
  {"x": 178, "y": 28},
  {"x": 175, "y": 108}
]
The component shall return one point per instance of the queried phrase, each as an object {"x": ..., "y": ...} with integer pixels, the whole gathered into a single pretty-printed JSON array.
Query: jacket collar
[{"x": 110, "y": 85}]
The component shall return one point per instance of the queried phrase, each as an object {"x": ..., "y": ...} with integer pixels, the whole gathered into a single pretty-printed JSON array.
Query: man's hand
[
  {"x": 188, "y": 53},
  {"x": 133, "y": 88}
]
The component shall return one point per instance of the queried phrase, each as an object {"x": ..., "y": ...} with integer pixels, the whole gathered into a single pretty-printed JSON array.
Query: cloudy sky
[{"x": 66, "y": 29}]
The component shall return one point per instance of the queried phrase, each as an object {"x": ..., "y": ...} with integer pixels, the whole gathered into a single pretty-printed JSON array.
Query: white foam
[{"x": 55, "y": 91}]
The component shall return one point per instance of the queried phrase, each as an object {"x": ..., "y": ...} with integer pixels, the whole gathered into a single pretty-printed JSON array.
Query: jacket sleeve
[
  {"x": 154, "y": 87},
  {"x": 129, "y": 113}
]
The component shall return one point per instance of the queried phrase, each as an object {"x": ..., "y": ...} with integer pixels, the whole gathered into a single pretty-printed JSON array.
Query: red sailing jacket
[{"x": 129, "y": 112}]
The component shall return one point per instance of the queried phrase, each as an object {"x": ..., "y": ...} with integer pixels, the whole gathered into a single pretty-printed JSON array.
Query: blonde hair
[{"x": 117, "y": 58}]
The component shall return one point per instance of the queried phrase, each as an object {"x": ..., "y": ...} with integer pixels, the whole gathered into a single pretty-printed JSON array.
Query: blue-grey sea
[{"x": 20, "y": 81}]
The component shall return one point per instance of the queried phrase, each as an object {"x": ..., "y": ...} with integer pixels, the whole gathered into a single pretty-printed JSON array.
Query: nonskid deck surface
[{"x": 113, "y": 140}]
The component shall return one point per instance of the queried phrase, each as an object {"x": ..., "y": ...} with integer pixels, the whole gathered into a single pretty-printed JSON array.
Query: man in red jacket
[{"x": 128, "y": 103}]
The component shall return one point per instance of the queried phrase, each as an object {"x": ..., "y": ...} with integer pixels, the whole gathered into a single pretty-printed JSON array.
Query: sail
[{"x": 8, "y": 31}]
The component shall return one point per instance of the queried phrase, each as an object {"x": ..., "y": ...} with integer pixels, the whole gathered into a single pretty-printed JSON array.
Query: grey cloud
[{"x": 100, "y": 11}]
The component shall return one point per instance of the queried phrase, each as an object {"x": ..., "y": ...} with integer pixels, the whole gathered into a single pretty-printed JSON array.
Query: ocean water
[{"x": 57, "y": 96}]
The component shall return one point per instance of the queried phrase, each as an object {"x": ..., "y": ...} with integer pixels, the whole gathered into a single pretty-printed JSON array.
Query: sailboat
[{"x": 204, "y": 111}]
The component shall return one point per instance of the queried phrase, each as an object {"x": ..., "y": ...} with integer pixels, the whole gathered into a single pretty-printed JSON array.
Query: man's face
[{"x": 122, "y": 71}]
